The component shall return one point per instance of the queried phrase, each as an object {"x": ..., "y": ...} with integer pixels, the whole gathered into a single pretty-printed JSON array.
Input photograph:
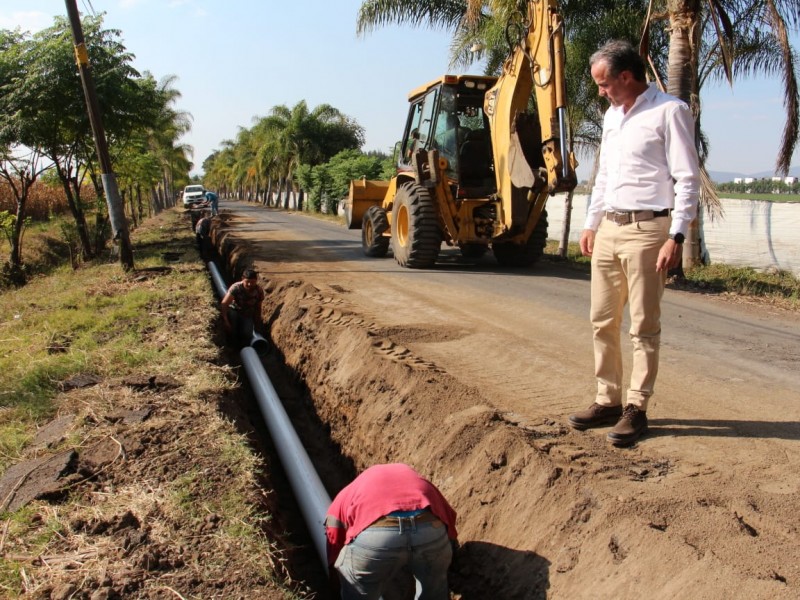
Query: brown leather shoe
[
  {"x": 595, "y": 416},
  {"x": 631, "y": 426}
]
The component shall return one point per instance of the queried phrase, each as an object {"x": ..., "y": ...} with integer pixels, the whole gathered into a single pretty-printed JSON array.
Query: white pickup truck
[{"x": 193, "y": 194}]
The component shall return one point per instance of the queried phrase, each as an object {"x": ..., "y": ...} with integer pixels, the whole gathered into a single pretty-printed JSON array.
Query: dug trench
[
  {"x": 542, "y": 511},
  {"x": 338, "y": 391}
]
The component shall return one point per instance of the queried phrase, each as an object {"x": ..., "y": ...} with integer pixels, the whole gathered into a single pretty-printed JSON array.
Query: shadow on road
[{"x": 786, "y": 430}]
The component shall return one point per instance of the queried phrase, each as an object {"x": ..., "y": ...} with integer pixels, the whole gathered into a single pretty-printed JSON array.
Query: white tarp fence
[{"x": 762, "y": 235}]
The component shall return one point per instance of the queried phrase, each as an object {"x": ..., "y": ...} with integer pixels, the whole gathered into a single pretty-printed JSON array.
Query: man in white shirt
[{"x": 648, "y": 172}]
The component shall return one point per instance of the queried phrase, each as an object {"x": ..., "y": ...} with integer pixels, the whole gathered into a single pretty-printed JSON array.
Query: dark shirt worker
[{"x": 241, "y": 306}]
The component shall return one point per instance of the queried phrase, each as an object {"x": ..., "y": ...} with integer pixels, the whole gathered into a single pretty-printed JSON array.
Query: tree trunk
[
  {"x": 132, "y": 200},
  {"x": 268, "y": 192},
  {"x": 141, "y": 204},
  {"x": 75, "y": 208},
  {"x": 16, "y": 236},
  {"x": 682, "y": 82},
  {"x": 167, "y": 188}
]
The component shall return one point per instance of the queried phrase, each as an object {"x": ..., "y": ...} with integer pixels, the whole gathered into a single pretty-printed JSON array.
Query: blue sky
[{"x": 236, "y": 59}]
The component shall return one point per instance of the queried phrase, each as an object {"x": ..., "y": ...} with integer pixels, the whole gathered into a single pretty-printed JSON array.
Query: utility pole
[{"x": 116, "y": 211}]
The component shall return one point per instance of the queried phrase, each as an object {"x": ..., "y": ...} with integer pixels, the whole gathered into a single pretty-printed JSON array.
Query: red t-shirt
[{"x": 378, "y": 491}]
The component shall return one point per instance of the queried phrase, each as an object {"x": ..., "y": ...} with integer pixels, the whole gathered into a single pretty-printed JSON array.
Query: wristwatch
[{"x": 678, "y": 238}]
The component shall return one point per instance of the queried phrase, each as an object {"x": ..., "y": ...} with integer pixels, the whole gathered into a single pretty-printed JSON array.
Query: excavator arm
[{"x": 532, "y": 157}]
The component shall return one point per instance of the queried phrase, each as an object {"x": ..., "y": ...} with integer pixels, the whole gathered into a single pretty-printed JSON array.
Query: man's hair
[
  {"x": 619, "y": 56},
  {"x": 249, "y": 274}
]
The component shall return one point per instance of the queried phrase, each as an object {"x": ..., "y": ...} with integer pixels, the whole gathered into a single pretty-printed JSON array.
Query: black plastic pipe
[
  {"x": 306, "y": 485},
  {"x": 216, "y": 278},
  {"x": 308, "y": 489}
]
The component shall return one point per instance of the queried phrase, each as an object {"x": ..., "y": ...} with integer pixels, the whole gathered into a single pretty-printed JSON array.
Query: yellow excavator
[{"x": 474, "y": 169}]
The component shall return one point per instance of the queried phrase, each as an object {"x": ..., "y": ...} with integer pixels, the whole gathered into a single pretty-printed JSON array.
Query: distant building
[
  {"x": 749, "y": 180},
  {"x": 738, "y": 180},
  {"x": 777, "y": 179},
  {"x": 790, "y": 180}
]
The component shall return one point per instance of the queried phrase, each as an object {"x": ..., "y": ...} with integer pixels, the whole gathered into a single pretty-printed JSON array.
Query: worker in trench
[
  {"x": 241, "y": 307},
  {"x": 388, "y": 518}
]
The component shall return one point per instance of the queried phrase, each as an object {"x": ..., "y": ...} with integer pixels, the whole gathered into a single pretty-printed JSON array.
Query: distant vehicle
[{"x": 193, "y": 194}]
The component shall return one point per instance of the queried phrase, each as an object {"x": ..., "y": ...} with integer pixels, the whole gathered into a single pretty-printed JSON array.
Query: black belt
[{"x": 623, "y": 217}]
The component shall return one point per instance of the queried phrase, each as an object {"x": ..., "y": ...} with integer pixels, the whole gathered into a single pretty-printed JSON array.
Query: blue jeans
[{"x": 367, "y": 563}]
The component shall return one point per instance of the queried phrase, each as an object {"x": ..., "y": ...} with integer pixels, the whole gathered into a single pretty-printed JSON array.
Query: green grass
[
  {"x": 771, "y": 286},
  {"x": 764, "y": 197},
  {"x": 746, "y": 281},
  {"x": 96, "y": 320},
  {"x": 99, "y": 320}
]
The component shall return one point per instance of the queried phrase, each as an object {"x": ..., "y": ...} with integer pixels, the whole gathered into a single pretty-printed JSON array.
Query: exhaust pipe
[
  {"x": 308, "y": 489},
  {"x": 257, "y": 341}
]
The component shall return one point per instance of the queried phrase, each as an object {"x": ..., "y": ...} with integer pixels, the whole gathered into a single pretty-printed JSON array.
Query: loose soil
[
  {"x": 476, "y": 398},
  {"x": 374, "y": 370}
]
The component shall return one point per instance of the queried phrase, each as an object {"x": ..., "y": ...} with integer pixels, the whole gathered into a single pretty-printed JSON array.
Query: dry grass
[{"x": 163, "y": 499}]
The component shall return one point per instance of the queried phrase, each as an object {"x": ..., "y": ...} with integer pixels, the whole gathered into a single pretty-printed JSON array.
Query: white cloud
[{"x": 32, "y": 21}]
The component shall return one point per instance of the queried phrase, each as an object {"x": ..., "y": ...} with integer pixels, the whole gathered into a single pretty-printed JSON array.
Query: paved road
[{"x": 730, "y": 371}]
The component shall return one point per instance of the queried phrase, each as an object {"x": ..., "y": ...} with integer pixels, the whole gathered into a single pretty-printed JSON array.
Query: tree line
[
  {"x": 688, "y": 44},
  {"x": 45, "y": 129},
  {"x": 313, "y": 153},
  {"x": 764, "y": 185}
]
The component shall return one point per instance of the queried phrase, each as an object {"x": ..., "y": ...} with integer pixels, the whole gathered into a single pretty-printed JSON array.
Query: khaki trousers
[{"x": 624, "y": 271}]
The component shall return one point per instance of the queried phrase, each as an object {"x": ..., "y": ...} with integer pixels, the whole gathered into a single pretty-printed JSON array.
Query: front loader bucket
[{"x": 363, "y": 194}]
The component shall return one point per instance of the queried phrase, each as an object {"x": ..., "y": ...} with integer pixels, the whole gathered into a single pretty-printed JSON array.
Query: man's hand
[
  {"x": 587, "y": 242},
  {"x": 669, "y": 256}
]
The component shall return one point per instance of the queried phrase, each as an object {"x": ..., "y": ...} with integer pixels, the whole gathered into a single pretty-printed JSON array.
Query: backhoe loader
[{"x": 474, "y": 168}]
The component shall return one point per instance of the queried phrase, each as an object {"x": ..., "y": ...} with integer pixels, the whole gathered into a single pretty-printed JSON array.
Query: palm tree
[
  {"x": 736, "y": 38},
  {"x": 290, "y": 137},
  {"x": 169, "y": 126},
  {"x": 704, "y": 44},
  {"x": 700, "y": 43}
]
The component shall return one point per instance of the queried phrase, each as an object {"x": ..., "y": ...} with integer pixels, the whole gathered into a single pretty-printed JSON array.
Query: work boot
[
  {"x": 595, "y": 416},
  {"x": 630, "y": 427}
]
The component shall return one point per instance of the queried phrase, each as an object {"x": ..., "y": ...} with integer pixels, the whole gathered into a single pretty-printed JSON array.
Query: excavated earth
[
  {"x": 466, "y": 372},
  {"x": 475, "y": 394}
]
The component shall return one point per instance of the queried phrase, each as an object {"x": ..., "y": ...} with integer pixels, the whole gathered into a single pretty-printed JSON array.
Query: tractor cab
[{"x": 447, "y": 115}]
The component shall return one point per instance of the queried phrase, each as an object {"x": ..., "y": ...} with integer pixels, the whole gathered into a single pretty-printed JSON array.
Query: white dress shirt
[{"x": 648, "y": 161}]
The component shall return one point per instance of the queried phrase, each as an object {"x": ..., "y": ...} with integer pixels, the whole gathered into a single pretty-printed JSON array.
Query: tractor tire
[
  {"x": 373, "y": 226},
  {"x": 416, "y": 237},
  {"x": 516, "y": 255}
]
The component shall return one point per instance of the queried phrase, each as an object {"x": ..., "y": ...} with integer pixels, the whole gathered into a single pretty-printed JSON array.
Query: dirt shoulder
[
  {"x": 475, "y": 395},
  {"x": 147, "y": 477}
]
